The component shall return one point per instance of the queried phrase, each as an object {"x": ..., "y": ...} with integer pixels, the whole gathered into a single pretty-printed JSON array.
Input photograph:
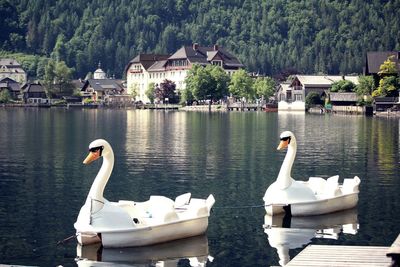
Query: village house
[
  {"x": 347, "y": 103},
  {"x": 98, "y": 89},
  {"x": 145, "y": 69},
  {"x": 13, "y": 87},
  {"x": 374, "y": 60},
  {"x": 103, "y": 89},
  {"x": 10, "y": 68},
  {"x": 372, "y": 66},
  {"x": 138, "y": 77},
  {"x": 34, "y": 93},
  {"x": 291, "y": 96}
]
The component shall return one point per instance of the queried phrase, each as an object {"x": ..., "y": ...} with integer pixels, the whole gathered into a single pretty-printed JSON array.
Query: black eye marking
[
  {"x": 286, "y": 139},
  {"x": 97, "y": 148}
]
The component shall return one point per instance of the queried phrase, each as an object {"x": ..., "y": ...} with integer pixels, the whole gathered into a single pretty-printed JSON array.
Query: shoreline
[{"x": 198, "y": 108}]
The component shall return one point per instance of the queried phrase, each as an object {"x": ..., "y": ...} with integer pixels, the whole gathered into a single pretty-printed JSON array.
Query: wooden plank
[
  {"x": 326, "y": 255},
  {"x": 395, "y": 247}
]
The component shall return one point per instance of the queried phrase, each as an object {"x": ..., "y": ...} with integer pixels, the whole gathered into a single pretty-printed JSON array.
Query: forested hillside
[{"x": 269, "y": 36}]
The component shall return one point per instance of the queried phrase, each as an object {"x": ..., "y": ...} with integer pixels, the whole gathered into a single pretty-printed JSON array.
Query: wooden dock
[{"x": 334, "y": 256}]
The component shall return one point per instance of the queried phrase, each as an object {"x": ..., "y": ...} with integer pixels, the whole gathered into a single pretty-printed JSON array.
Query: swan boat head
[
  {"x": 287, "y": 140},
  {"x": 98, "y": 148},
  {"x": 95, "y": 200},
  {"x": 285, "y": 189}
]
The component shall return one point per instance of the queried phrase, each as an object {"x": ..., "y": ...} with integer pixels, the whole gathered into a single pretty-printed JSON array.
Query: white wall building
[
  {"x": 99, "y": 74},
  {"x": 145, "y": 69},
  {"x": 10, "y": 68},
  {"x": 291, "y": 96}
]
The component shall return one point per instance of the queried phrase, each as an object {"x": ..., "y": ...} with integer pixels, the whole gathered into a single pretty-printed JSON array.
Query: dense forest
[{"x": 269, "y": 37}]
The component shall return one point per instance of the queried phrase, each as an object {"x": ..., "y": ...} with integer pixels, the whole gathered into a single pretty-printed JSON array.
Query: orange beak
[
  {"x": 92, "y": 157},
  {"x": 283, "y": 144}
]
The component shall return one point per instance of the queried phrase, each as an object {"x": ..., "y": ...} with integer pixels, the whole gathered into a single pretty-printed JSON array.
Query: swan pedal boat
[
  {"x": 313, "y": 197},
  {"x": 131, "y": 224}
]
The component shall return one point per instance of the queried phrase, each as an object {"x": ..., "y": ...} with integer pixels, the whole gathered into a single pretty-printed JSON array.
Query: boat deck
[{"x": 327, "y": 255}]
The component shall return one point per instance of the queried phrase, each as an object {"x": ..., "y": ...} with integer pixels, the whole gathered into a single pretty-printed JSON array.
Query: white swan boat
[
  {"x": 128, "y": 223},
  {"x": 313, "y": 197}
]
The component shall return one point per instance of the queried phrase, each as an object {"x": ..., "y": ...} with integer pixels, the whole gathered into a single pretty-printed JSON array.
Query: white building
[
  {"x": 291, "y": 96},
  {"x": 99, "y": 74},
  {"x": 145, "y": 69},
  {"x": 10, "y": 68}
]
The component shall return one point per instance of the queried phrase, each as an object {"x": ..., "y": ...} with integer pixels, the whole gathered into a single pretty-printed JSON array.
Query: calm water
[{"x": 43, "y": 182}]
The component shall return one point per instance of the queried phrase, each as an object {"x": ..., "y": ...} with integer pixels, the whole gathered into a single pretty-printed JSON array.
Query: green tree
[
  {"x": 133, "y": 90},
  {"x": 210, "y": 82},
  {"x": 41, "y": 68},
  {"x": 388, "y": 67},
  {"x": 241, "y": 85},
  {"x": 150, "y": 92},
  {"x": 49, "y": 78},
  {"x": 63, "y": 76},
  {"x": 388, "y": 86},
  {"x": 312, "y": 99},
  {"x": 220, "y": 82},
  {"x": 5, "y": 96},
  {"x": 343, "y": 86},
  {"x": 57, "y": 79},
  {"x": 11, "y": 33},
  {"x": 198, "y": 82},
  {"x": 389, "y": 83},
  {"x": 59, "y": 51},
  {"x": 264, "y": 87},
  {"x": 167, "y": 90},
  {"x": 187, "y": 97},
  {"x": 365, "y": 86}
]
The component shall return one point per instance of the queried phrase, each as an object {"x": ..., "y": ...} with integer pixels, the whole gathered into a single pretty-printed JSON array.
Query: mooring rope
[
  {"x": 239, "y": 207},
  {"x": 60, "y": 242},
  {"x": 65, "y": 240}
]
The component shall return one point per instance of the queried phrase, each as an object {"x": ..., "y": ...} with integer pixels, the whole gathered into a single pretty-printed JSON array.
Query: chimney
[
  {"x": 195, "y": 46},
  {"x": 215, "y": 47}
]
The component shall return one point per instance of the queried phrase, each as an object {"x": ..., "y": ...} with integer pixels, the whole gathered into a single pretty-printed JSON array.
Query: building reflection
[
  {"x": 152, "y": 133},
  {"x": 286, "y": 233},
  {"x": 292, "y": 121},
  {"x": 193, "y": 250},
  {"x": 384, "y": 153}
]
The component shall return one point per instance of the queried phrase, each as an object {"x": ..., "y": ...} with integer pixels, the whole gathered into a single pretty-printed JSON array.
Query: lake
[{"x": 43, "y": 182}]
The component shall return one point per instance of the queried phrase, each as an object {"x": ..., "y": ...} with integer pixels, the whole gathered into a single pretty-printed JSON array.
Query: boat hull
[
  {"x": 317, "y": 207},
  {"x": 147, "y": 235}
]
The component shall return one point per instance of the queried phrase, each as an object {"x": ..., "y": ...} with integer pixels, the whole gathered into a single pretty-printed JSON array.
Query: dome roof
[{"x": 99, "y": 74}]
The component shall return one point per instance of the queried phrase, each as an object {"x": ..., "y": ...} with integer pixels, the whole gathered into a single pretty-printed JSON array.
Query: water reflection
[
  {"x": 185, "y": 252},
  {"x": 285, "y": 233}
]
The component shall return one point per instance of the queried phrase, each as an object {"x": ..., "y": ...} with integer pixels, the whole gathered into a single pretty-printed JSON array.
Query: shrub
[
  {"x": 5, "y": 96},
  {"x": 313, "y": 99}
]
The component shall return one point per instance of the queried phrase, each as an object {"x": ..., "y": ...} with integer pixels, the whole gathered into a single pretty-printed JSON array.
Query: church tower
[{"x": 99, "y": 73}]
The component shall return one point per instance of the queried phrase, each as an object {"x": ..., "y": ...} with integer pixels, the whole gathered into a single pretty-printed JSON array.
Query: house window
[
  {"x": 298, "y": 98},
  {"x": 289, "y": 95},
  {"x": 217, "y": 62}
]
